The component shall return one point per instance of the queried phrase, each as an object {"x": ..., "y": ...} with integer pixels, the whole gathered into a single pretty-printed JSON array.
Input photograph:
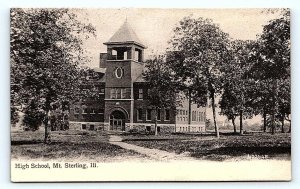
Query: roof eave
[{"x": 125, "y": 42}]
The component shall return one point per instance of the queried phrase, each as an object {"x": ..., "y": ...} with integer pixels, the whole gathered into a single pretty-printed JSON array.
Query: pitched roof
[{"x": 125, "y": 34}]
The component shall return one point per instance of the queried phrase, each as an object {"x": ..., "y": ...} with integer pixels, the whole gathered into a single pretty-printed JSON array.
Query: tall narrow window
[
  {"x": 118, "y": 93},
  {"x": 158, "y": 114},
  {"x": 194, "y": 116},
  {"x": 167, "y": 114},
  {"x": 123, "y": 93},
  {"x": 125, "y": 55},
  {"x": 201, "y": 116},
  {"x": 149, "y": 114},
  {"x": 112, "y": 93},
  {"x": 140, "y": 93},
  {"x": 140, "y": 114}
]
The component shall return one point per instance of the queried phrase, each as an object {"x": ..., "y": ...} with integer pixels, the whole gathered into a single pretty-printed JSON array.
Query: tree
[
  {"x": 34, "y": 115},
  {"x": 274, "y": 65},
  {"x": 204, "y": 48},
  {"x": 46, "y": 52},
  {"x": 228, "y": 105},
  {"x": 261, "y": 103},
  {"x": 162, "y": 91},
  {"x": 237, "y": 83}
]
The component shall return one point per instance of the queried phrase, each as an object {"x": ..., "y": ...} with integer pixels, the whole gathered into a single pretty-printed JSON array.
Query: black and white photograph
[{"x": 149, "y": 94}]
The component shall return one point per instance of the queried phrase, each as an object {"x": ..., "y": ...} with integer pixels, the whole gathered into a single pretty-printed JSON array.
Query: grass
[
  {"x": 68, "y": 145},
  {"x": 256, "y": 145},
  {"x": 94, "y": 146}
]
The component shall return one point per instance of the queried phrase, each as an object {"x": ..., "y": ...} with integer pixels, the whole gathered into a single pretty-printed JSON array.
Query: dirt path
[{"x": 152, "y": 153}]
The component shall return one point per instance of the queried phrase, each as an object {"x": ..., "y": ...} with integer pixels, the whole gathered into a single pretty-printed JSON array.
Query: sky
[{"x": 154, "y": 26}]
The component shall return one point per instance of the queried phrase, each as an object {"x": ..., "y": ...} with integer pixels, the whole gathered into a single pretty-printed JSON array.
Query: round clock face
[{"x": 119, "y": 72}]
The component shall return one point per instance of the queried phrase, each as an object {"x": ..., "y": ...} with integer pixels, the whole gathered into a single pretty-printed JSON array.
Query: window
[
  {"x": 140, "y": 93},
  {"x": 92, "y": 127},
  {"x": 148, "y": 128},
  {"x": 194, "y": 116},
  {"x": 167, "y": 114},
  {"x": 118, "y": 93},
  {"x": 179, "y": 128},
  {"x": 148, "y": 114},
  {"x": 158, "y": 114},
  {"x": 112, "y": 93},
  {"x": 119, "y": 73},
  {"x": 102, "y": 90},
  {"x": 125, "y": 55},
  {"x": 158, "y": 129},
  {"x": 93, "y": 110},
  {"x": 114, "y": 54},
  {"x": 83, "y": 126},
  {"x": 138, "y": 55},
  {"x": 123, "y": 93},
  {"x": 99, "y": 111},
  {"x": 140, "y": 114},
  {"x": 84, "y": 110}
]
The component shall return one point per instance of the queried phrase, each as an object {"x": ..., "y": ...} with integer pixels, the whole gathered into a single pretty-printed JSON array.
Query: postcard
[{"x": 150, "y": 94}]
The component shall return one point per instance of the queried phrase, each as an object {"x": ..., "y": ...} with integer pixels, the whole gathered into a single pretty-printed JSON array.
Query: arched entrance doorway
[{"x": 117, "y": 120}]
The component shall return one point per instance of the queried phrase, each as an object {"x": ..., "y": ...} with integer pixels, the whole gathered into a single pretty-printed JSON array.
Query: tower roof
[{"x": 125, "y": 34}]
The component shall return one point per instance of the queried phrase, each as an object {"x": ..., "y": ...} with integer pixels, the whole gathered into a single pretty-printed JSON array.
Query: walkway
[{"x": 152, "y": 153}]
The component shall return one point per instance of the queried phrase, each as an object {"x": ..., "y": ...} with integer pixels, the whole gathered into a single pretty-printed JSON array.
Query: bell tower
[{"x": 124, "y": 63}]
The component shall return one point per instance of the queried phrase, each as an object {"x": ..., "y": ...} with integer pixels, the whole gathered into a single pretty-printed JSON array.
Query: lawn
[
  {"x": 256, "y": 145},
  {"x": 68, "y": 146}
]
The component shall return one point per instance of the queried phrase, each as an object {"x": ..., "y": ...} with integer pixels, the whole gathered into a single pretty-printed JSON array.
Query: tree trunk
[
  {"x": 46, "y": 124},
  {"x": 214, "y": 115},
  {"x": 282, "y": 123},
  {"x": 155, "y": 122},
  {"x": 241, "y": 123},
  {"x": 275, "y": 89},
  {"x": 290, "y": 129},
  {"x": 265, "y": 122},
  {"x": 273, "y": 123},
  {"x": 234, "y": 126}
]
